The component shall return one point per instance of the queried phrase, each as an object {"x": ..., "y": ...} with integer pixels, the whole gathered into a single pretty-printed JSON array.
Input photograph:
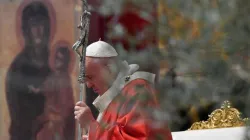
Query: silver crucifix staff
[{"x": 80, "y": 48}]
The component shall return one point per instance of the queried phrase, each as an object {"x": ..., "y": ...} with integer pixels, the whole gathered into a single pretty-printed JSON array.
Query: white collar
[{"x": 102, "y": 102}]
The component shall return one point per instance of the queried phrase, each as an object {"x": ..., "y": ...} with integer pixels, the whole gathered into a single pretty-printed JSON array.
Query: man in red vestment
[{"x": 127, "y": 103}]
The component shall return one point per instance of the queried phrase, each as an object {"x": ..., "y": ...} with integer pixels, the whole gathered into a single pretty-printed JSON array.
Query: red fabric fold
[{"x": 129, "y": 116}]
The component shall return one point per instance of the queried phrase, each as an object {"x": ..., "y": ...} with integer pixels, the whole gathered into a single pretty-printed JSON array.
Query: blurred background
[{"x": 199, "y": 50}]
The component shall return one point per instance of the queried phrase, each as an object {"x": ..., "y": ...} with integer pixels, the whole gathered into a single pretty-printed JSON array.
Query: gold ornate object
[{"x": 224, "y": 117}]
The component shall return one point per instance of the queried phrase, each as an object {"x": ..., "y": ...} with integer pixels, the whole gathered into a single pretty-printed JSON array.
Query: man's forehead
[
  {"x": 92, "y": 64},
  {"x": 92, "y": 60}
]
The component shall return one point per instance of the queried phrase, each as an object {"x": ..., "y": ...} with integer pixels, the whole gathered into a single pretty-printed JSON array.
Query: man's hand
[
  {"x": 84, "y": 137},
  {"x": 83, "y": 114}
]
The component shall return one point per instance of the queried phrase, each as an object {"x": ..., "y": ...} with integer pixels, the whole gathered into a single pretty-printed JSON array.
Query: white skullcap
[{"x": 100, "y": 49}]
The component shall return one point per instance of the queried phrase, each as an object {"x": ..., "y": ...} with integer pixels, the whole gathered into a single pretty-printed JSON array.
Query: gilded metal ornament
[{"x": 226, "y": 116}]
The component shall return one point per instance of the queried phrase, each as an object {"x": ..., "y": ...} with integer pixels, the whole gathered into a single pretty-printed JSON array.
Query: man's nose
[{"x": 89, "y": 84}]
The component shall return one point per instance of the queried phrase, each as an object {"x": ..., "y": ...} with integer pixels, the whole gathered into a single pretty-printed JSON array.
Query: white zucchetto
[{"x": 100, "y": 49}]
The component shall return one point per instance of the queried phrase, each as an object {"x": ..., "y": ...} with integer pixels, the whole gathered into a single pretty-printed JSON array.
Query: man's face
[{"x": 97, "y": 75}]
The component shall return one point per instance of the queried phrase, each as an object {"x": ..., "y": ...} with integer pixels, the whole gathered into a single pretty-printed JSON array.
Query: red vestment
[{"x": 130, "y": 115}]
